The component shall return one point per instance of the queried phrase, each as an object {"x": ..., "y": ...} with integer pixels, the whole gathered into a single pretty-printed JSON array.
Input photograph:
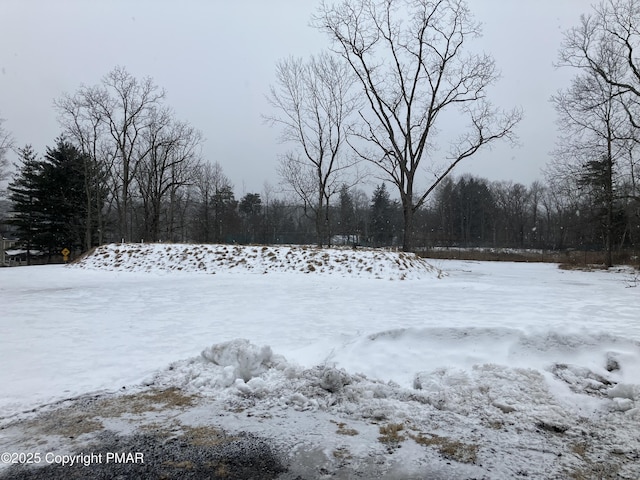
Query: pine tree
[
  {"x": 381, "y": 227},
  {"x": 49, "y": 199},
  {"x": 63, "y": 180},
  {"x": 597, "y": 178},
  {"x": 250, "y": 209},
  {"x": 25, "y": 194},
  {"x": 347, "y": 223}
]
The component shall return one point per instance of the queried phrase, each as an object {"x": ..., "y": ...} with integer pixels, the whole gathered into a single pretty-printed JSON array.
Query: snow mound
[
  {"x": 257, "y": 259},
  {"x": 246, "y": 369},
  {"x": 240, "y": 360},
  {"x": 483, "y": 409}
]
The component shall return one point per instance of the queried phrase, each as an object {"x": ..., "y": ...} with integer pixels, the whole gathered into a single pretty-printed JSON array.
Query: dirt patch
[
  {"x": 203, "y": 436},
  {"x": 138, "y": 404},
  {"x": 69, "y": 426},
  {"x": 88, "y": 415}
]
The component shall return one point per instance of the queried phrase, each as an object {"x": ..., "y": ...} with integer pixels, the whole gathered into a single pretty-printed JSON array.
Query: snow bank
[
  {"x": 245, "y": 368},
  {"x": 257, "y": 259},
  {"x": 511, "y": 409}
]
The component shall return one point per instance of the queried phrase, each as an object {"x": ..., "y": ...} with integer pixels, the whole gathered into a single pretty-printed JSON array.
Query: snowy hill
[{"x": 257, "y": 259}]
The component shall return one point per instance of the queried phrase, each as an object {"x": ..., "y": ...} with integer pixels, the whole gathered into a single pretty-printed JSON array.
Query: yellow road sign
[{"x": 65, "y": 252}]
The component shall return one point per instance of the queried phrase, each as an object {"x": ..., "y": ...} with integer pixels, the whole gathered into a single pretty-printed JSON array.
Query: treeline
[
  {"x": 125, "y": 169},
  {"x": 62, "y": 200}
]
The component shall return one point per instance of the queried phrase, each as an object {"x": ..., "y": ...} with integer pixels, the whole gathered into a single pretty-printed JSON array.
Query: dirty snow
[
  {"x": 257, "y": 259},
  {"x": 482, "y": 370}
]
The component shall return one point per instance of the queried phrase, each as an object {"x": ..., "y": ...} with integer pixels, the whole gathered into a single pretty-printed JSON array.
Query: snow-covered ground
[{"x": 456, "y": 370}]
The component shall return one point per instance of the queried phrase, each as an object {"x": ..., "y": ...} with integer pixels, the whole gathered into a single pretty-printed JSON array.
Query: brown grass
[
  {"x": 448, "y": 448},
  {"x": 342, "y": 453},
  {"x": 390, "y": 433},
  {"x": 151, "y": 401},
  {"x": 583, "y": 268},
  {"x": 69, "y": 426},
  {"x": 342, "y": 430},
  {"x": 206, "y": 436},
  {"x": 567, "y": 257}
]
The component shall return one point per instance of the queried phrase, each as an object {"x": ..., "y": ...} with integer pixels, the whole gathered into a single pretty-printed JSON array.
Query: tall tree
[
  {"x": 6, "y": 143},
  {"x": 120, "y": 110},
  {"x": 170, "y": 163},
  {"x": 25, "y": 195},
  {"x": 48, "y": 199},
  {"x": 214, "y": 199},
  {"x": 250, "y": 209},
  {"x": 126, "y": 106},
  {"x": 84, "y": 125},
  {"x": 63, "y": 199},
  {"x": 381, "y": 221},
  {"x": 315, "y": 102},
  {"x": 346, "y": 214},
  {"x": 409, "y": 58},
  {"x": 595, "y": 112},
  {"x": 148, "y": 156}
]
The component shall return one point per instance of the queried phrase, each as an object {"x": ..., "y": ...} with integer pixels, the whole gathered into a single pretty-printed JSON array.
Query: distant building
[{"x": 5, "y": 244}]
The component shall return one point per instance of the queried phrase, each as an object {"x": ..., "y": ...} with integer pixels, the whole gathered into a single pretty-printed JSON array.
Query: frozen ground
[{"x": 367, "y": 362}]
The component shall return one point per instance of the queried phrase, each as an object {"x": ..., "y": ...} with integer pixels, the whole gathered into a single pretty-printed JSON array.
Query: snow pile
[
  {"x": 240, "y": 360},
  {"x": 488, "y": 407},
  {"x": 257, "y": 259},
  {"x": 237, "y": 363}
]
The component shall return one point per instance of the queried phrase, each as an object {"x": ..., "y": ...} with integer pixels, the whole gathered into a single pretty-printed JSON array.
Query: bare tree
[
  {"x": 113, "y": 116},
  {"x": 537, "y": 191},
  {"x": 145, "y": 156},
  {"x": 84, "y": 125},
  {"x": 595, "y": 138},
  {"x": 512, "y": 200},
  {"x": 6, "y": 144},
  {"x": 409, "y": 58},
  {"x": 170, "y": 159},
  {"x": 315, "y": 103},
  {"x": 599, "y": 112},
  {"x": 610, "y": 35},
  {"x": 214, "y": 194},
  {"x": 127, "y": 104}
]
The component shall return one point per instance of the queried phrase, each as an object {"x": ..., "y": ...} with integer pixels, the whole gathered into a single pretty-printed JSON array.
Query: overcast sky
[{"x": 216, "y": 60}]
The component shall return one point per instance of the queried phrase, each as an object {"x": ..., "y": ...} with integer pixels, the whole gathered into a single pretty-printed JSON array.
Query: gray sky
[{"x": 216, "y": 60}]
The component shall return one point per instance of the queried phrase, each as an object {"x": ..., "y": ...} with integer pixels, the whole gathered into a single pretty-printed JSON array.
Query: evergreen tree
[
  {"x": 25, "y": 195},
  {"x": 63, "y": 183},
  {"x": 250, "y": 209},
  {"x": 597, "y": 179},
  {"x": 49, "y": 199},
  {"x": 225, "y": 215},
  {"x": 381, "y": 225},
  {"x": 347, "y": 222},
  {"x": 474, "y": 210}
]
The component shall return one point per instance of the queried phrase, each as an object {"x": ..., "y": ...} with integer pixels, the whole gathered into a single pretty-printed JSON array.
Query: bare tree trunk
[{"x": 407, "y": 236}]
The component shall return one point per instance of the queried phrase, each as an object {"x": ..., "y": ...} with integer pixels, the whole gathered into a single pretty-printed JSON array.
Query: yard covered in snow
[{"x": 450, "y": 370}]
